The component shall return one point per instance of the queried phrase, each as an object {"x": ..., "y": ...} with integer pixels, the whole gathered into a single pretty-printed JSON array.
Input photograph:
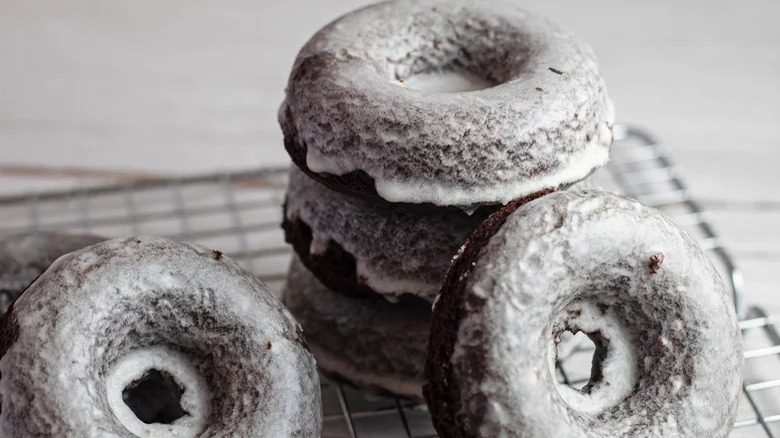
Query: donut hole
[
  {"x": 457, "y": 53},
  {"x": 576, "y": 359},
  {"x": 612, "y": 373},
  {"x": 155, "y": 398},
  {"x": 158, "y": 389},
  {"x": 447, "y": 81},
  {"x": 213, "y": 362}
]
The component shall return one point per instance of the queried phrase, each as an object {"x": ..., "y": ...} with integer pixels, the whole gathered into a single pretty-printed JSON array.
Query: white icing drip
[
  {"x": 194, "y": 399},
  {"x": 389, "y": 285},
  {"x": 392, "y": 285},
  {"x": 469, "y": 210},
  {"x": 578, "y": 167},
  {"x": 445, "y": 82},
  {"x": 469, "y": 199},
  {"x": 316, "y": 162},
  {"x": 319, "y": 243}
]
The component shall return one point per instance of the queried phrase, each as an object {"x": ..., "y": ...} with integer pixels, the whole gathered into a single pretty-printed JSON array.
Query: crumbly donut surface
[
  {"x": 394, "y": 250},
  {"x": 668, "y": 357},
  {"x": 372, "y": 344},
  {"x": 349, "y": 120},
  {"x": 128, "y": 300},
  {"x": 23, "y": 257}
]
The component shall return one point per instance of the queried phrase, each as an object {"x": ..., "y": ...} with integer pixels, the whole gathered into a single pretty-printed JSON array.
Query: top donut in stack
[
  {"x": 545, "y": 119},
  {"x": 410, "y": 121}
]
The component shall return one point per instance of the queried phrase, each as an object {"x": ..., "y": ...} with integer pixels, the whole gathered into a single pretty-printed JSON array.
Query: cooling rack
[{"x": 239, "y": 213}]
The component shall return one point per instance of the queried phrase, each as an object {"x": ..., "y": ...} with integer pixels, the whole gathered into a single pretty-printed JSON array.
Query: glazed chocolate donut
[
  {"x": 668, "y": 348},
  {"x": 373, "y": 106},
  {"x": 365, "y": 248},
  {"x": 23, "y": 257},
  {"x": 362, "y": 248},
  {"x": 149, "y": 337},
  {"x": 371, "y": 344}
]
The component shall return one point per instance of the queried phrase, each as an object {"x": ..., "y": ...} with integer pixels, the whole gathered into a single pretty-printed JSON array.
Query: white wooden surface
[{"x": 94, "y": 91}]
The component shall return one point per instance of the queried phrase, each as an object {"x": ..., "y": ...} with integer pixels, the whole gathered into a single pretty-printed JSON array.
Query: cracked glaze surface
[
  {"x": 23, "y": 257},
  {"x": 122, "y": 302},
  {"x": 370, "y": 343},
  {"x": 545, "y": 122},
  {"x": 669, "y": 352}
]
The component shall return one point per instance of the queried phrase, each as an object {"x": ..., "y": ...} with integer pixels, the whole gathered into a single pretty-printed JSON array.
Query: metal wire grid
[{"x": 238, "y": 212}]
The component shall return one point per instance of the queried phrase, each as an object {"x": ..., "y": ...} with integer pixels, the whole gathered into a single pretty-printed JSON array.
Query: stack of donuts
[
  {"x": 408, "y": 123},
  {"x": 440, "y": 252}
]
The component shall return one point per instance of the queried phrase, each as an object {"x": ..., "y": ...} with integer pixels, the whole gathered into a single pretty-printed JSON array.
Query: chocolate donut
[
  {"x": 23, "y": 257},
  {"x": 366, "y": 112},
  {"x": 372, "y": 344},
  {"x": 365, "y": 248},
  {"x": 149, "y": 337},
  {"x": 668, "y": 347}
]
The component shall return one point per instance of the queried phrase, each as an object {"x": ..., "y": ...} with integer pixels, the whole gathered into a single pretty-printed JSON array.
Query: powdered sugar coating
[
  {"x": 371, "y": 343},
  {"x": 547, "y": 121},
  {"x": 94, "y": 308},
  {"x": 23, "y": 257},
  {"x": 589, "y": 260},
  {"x": 397, "y": 250}
]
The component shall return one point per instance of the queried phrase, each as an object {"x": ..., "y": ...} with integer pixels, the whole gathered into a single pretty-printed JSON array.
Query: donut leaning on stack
[
  {"x": 408, "y": 123},
  {"x": 668, "y": 354}
]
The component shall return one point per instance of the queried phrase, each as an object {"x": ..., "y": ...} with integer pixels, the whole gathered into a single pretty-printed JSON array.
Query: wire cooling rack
[{"x": 239, "y": 213}]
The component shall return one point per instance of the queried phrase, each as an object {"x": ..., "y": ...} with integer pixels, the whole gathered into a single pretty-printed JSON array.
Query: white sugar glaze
[
  {"x": 547, "y": 121},
  {"x": 584, "y": 260},
  {"x": 97, "y": 312},
  {"x": 397, "y": 250}
]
